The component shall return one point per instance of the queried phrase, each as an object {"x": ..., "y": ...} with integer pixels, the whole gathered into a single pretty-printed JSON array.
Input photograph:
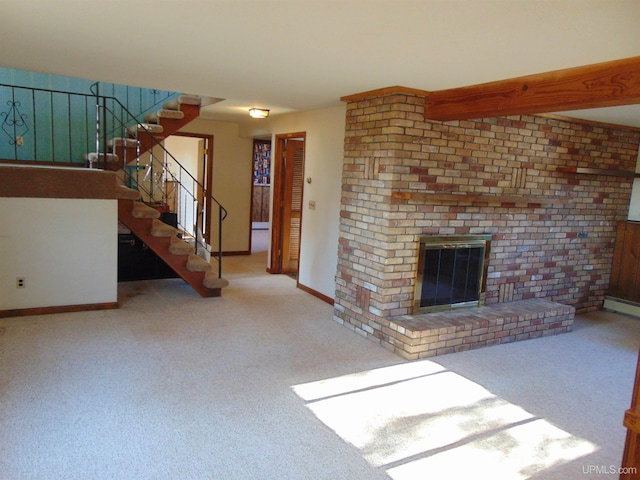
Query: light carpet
[{"x": 263, "y": 384}]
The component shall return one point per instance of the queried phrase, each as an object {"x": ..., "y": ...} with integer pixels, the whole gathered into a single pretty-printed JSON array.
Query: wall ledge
[{"x": 31, "y": 181}]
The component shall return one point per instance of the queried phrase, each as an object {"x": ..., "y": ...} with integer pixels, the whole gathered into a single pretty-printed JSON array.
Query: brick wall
[{"x": 560, "y": 251}]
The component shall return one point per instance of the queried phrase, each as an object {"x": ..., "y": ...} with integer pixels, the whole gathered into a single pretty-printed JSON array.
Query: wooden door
[
  {"x": 625, "y": 274},
  {"x": 260, "y": 204},
  {"x": 288, "y": 174},
  {"x": 292, "y": 205}
]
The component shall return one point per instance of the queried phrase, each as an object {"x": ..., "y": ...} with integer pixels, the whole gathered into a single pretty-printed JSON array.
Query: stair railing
[
  {"x": 161, "y": 186},
  {"x": 138, "y": 100},
  {"x": 32, "y": 126},
  {"x": 45, "y": 125},
  {"x": 157, "y": 170}
]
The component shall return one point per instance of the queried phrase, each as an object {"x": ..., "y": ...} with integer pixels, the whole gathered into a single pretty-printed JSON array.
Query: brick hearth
[{"x": 439, "y": 333}]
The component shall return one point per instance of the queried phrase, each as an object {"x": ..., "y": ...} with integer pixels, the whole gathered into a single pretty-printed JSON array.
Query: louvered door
[{"x": 292, "y": 212}]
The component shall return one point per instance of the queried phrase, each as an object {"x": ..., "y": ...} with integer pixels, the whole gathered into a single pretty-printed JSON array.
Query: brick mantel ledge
[{"x": 475, "y": 198}]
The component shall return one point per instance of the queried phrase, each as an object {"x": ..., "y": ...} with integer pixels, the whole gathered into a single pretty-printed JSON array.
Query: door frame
[{"x": 278, "y": 185}]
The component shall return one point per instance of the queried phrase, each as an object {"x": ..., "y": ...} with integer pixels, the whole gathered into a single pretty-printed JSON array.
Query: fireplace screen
[{"x": 451, "y": 271}]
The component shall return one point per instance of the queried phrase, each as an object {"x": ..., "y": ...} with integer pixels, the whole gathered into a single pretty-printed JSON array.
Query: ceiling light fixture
[{"x": 258, "y": 112}]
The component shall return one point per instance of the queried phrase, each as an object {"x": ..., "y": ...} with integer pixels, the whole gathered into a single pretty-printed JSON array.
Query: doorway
[
  {"x": 286, "y": 225},
  {"x": 260, "y": 195}
]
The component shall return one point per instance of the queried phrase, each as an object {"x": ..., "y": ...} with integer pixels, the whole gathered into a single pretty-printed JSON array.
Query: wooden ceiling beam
[{"x": 607, "y": 84}]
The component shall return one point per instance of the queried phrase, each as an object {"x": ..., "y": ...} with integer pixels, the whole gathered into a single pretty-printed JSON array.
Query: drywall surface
[{"x": 65, "y": 249}]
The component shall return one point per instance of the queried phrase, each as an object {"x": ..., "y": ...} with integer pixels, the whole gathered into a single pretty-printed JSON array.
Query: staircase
[
  {"x": 164, "y": 241},
  {"x": 123, "y": 154},
  {"x": 142, "y": 137},
  {"x": 131, "y": 145}
]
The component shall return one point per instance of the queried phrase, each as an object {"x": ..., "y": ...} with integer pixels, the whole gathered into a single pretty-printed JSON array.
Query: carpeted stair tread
[
  {"x": 100, "y": 157},
  {"x": 125, "y": 192},
  {"x": 211, "y": 280},
  {"x": 180, "y": 247},
  {"x": 122, "y": 142},
  {"x": 154, "y": 117},
  {"x": 145, "y": 127},
  {"x": 142, "y": 210},
  {"x": 197, "y": 264},
  {"x": 161, "y": 229},
  {"x": 175, "y": 103}
]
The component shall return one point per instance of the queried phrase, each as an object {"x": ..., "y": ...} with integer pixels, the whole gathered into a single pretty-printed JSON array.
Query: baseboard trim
[
  {"x": 624, "y": 307},
  {"x": 315, "y": 293},
  {"x": 24, "y": 312},
  {"x": 231, "y": 254}
]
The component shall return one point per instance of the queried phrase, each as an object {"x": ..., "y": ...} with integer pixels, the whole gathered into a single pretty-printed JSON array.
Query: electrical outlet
[{"x": 20, "y": 282}]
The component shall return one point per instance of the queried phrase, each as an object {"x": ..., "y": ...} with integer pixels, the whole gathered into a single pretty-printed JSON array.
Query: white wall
[
  {"x": 324, "y": 151},
  {"x": 67, "y": 251}
]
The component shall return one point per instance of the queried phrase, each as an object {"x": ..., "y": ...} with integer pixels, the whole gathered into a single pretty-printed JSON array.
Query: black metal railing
[
  {"x": 58, "y": 126},
  {"x": 182, "y": 194},
  {"x": 45, "y": 125},
  {"x": 135, "y": 99},
  {"x": 160, "y": 170}
]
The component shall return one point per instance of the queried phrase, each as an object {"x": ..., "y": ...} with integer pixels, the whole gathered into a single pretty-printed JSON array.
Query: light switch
[{"x": 312, "y": 204}]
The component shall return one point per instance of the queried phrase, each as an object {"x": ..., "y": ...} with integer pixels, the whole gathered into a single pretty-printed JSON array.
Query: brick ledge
[{"x": 439, "y": 333}]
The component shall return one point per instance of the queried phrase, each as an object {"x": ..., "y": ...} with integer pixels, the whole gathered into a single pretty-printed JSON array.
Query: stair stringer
[{"x": 141, "y": 227}]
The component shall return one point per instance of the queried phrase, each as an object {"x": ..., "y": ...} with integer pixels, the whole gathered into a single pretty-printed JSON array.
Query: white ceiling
[{"x": 297, "y": 55}]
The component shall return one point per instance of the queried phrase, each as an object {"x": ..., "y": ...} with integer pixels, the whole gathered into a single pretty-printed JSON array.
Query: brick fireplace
[{"x": 547, "y": 190}]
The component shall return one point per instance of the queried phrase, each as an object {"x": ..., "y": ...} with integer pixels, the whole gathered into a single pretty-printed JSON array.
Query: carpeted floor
[{"x": 263, "y": 384}]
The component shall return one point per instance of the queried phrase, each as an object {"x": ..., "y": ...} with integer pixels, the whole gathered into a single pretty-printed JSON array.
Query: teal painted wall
[{"x": 51, "y": 126}]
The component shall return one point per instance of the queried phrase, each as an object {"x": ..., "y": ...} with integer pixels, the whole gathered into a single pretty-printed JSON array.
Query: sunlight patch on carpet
[{"x": 417, "y": 417}]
